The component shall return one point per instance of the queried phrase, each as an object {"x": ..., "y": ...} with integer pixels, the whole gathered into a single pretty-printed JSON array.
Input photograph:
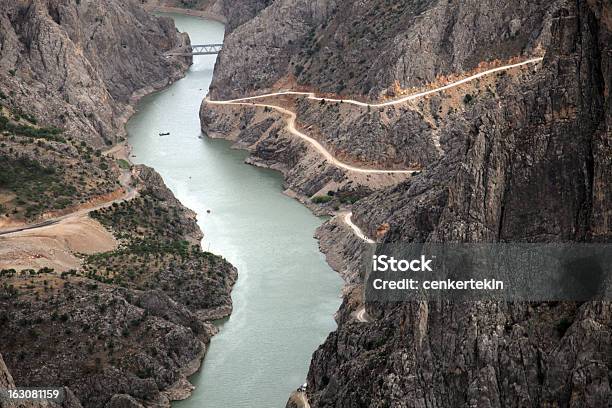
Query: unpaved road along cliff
[{"x": 524, "y": 157}]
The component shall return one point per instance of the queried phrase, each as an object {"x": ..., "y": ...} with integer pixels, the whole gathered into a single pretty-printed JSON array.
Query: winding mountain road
[
  {"x": 130, "y": 193},
  {"x": 346, "y": 217},
  {"x": 247, "y": 101},
  {"x": 318, "y": 146},
  {"x": 362, "y": 316},
  {"x": 311, "y": 95}
]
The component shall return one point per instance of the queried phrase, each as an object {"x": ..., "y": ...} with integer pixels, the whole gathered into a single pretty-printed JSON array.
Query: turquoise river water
[{"x": 286, "y": 295}]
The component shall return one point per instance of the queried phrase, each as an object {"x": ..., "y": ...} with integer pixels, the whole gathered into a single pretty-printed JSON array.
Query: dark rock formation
[
  {"x": 525, "y": 159},
  {"x": 123, "y": 401},
  {"x": 6, "y": 383},
  {"x": 374, "y": 135},
  {"x": 528, "y": 170},
  {"x": 98, "y": 339},
  {"x": 238, "y": 12}
]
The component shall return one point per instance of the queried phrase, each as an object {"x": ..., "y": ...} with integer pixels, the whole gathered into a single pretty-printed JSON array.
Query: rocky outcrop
[
  {"x": 520, "y": 157},
  {"x": 154, "y": 184},
  {"x": 131, "y": 325},
  {"x": 372, "y": 135},
  {"x": 238, "y": 12},
  {"x": 123, "y": 401},
  {"x": 364, "y": 47},
  {"x": 527, "y": 170},
  {"x": 98, "y": 339},
  {"x": 156, "y": 225},
  {"x": 79, "y": 65},
  {"x": 265, "y": 44}
]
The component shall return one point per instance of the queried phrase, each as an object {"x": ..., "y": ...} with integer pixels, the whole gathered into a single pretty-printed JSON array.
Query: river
[{"x": 286, "y": 295}]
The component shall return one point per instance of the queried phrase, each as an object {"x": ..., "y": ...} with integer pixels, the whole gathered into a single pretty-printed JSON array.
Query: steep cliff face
[
  {"x": 529, "y": 168},
  {"x": 258, "y": 53},
  {"x": 364, "y": 47},
  {"x": 75, "y": 65},
  {"x": 523, "y": 157},
  {"x": 100, "y": 341},
  {"x": 131, "y": 323},
  {"x": 238, "y": 12}
]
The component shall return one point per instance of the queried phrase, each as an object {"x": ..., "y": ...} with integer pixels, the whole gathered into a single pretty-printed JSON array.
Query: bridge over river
[{"x": 199, "y": 49}]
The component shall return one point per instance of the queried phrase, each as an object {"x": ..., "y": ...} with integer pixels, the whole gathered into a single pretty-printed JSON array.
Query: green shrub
[
  {"x": 321, "y": 199},
  {"x": 49, "y": 133},
  {"x": 350, "y": 199},
  {"x": 124, "y": 164}
]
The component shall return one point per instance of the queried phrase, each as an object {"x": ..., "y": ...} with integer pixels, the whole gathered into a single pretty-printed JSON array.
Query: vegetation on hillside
[
  {"x": 155, "y": 254},
  {"x": 41, "y": 171}
]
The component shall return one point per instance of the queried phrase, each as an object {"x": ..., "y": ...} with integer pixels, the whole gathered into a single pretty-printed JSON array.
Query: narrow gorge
[{"x": 162, "y": 211}]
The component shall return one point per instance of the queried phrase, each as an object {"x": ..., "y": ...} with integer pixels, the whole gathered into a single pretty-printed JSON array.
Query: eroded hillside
[{"x": 104, "y": 288}]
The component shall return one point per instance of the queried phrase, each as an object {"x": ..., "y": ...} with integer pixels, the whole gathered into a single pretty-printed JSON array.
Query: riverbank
[
  {"x": 284, "y": 301},
  {"x": 146, "y": 288},
  {"x": 182, "y": 388}
]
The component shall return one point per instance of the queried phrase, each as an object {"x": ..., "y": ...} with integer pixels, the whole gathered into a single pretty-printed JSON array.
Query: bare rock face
[
  {"x": 123, "y": 401},
  {"x": 238, "y": 12},
  {"x": 76, "y": 65},
  {"x": 529, "y": 170},
  {"x": 155, "y": 185},
  {"x": 525, "y": 161},
  {"x": 257, "y": 54},
  {"x": 367, "y": 46},
  {"x": 372, "y": 135},
  {"x": 364, "y": 47},
  {"x": 100, "y": 341}
]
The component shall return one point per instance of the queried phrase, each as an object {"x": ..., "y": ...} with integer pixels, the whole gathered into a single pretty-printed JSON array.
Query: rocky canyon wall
[
  {"x": 127, "y": 326},
  {"x": 524, "y": 158},
  {"x": 526, "y": 170},
  {"x": 366, "y": 47},
  {"x": 77, "y": 65}
]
